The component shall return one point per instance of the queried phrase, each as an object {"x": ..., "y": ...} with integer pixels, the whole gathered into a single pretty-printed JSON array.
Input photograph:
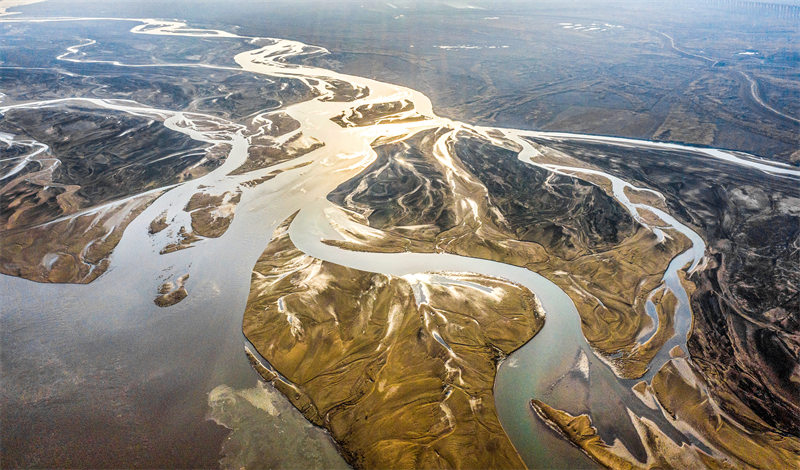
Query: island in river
[{"x": 429, "y": 291}]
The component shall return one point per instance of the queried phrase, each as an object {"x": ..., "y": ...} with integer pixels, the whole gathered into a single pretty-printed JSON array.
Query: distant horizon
[{"x": 399, "y": 234}]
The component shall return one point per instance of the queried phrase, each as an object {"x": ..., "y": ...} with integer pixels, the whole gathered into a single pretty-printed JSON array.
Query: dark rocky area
[
  {"x": 103, "y": 155},
  {"x": 401, "y": 187},
  {"x": 568, "y": 215},
  {"x": 746, "y": 307}
]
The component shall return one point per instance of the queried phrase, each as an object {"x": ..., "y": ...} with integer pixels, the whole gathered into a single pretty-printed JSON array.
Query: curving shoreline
[{"x": 349, "y": 151}]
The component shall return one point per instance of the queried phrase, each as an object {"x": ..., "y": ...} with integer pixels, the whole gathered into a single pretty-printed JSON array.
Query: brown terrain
[
  {"x": 528, "y": 217},
  {"x": 399, "y": 383},
  {"x": 87, "y": 201}
]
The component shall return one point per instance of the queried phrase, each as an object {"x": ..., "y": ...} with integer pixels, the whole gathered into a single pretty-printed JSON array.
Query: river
[{"x": 176, "y": 357}]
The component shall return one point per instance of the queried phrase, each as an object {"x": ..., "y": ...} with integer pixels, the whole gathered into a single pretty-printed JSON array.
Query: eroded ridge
[
  {"x": 467, "y": 192},
  {"x": 683, "y": 394},
  {"x": 399, "y": 369},
  {"x": 375, "y": 173}
]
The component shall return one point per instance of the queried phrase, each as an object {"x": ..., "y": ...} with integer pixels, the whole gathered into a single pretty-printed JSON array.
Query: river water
[{"x": 104, "y": 351}]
